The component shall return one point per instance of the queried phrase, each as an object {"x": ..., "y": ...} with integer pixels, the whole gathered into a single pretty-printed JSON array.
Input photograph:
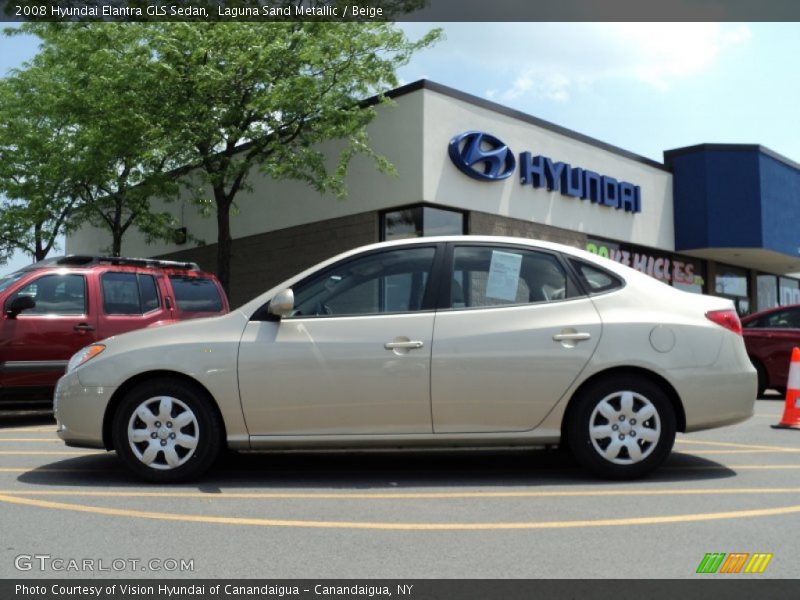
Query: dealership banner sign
[
  {"x": 669, "y": 269},
  {"x": 486, "y": 158}
]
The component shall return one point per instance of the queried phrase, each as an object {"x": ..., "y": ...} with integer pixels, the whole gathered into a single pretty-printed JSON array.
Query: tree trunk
[
  {"x": 116, "y": 245},
  {"x": 224, "y": 241},
  {"x": 39, "y": 252}
]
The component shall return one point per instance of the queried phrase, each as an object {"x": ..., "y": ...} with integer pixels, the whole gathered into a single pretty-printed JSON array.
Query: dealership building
[{"x": 713, "y": 218}]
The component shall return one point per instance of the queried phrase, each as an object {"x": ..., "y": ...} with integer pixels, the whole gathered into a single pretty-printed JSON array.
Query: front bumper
[{"x": 79, "y": 411}]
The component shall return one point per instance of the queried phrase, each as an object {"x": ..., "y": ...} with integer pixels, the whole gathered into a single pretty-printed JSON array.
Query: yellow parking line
[
  {"x": 735, "y": 445},
  {"x": 402, "y": 495},
  {"x": 730, "y": 467},
  {"x": 45, "y": 440},
  {"x": 262, "y": 522},
  {"x": 35, "y": 470},
  {"x": 704, "y": 452},
  {"x": 46, "y": 453},
  {"x": 29, "y": 430}
]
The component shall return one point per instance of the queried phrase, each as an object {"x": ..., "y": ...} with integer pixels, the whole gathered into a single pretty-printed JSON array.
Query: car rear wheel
[
  {"x": 622, "y": 427},
  {"x": 166, "y": 430}
]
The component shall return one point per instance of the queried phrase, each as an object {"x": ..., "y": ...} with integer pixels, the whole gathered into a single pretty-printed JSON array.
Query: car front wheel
[
  {"x": 622, "y": 427},
  {"x": 166, "y": 430}
]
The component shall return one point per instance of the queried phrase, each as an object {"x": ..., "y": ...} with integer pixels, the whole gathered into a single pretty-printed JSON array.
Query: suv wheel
[
  {"x": 622, "y": 427},
  {"x": 165, "y": 430}
]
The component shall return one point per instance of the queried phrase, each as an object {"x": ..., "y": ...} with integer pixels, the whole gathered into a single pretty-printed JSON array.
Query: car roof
[
  {"x": 83, "y": 261},
  {"x": 609, "y": 264},
  {"x": 767, "y": 311}
]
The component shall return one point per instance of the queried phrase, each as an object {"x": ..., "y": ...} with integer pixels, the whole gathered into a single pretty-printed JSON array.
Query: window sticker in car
[{"x": 504, "y": 273}]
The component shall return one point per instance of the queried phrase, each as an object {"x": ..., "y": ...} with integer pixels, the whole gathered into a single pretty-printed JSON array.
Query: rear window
[{"x": 196, "y": 294}]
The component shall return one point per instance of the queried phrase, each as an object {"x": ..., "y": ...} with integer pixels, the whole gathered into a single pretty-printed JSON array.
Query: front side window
[
  {"x": 384, "y": 282},
  {"x": 128, "y": 293},
  {"x": 56, "y": 295},
  {"x": 486, "y": 276},
  {"x": 782, "y": 319}
]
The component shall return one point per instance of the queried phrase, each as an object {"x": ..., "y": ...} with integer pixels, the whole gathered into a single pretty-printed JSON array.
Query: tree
[
  {"x": 251, "y": 95},
  {"x": 94, "y": 82},
  {"x": 35, "y": 167}
]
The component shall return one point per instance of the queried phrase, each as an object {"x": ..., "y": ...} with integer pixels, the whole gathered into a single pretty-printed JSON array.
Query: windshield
[{"x": 7, "y": 280}]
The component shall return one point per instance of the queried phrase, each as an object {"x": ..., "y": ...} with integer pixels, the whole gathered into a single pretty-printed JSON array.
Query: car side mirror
[
  {"x": 282, "y": 304},
  {"x": 18, "y": 304}
]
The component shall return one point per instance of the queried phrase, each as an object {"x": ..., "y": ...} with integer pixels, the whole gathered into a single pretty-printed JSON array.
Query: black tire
[
  {"x": 762, "y": 377},
  {"x": 203, "y": 431},
  {"x": 645, "y": 396}
]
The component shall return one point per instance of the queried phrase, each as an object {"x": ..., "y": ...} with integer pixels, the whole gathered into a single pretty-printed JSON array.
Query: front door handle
[
  {"x": 409, "y": 345},
  {"x": 83, "y": 327},
  {"x": 577, "y": 336}
]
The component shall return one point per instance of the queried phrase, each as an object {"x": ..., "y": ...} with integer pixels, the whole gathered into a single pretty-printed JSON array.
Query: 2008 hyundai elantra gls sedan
[{"x": 430, "y": 342}]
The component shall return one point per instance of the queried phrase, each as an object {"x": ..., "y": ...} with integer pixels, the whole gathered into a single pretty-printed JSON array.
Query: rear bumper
[
  {"x": 721, "y": 394},
  {"x": 79, "y": 412}
]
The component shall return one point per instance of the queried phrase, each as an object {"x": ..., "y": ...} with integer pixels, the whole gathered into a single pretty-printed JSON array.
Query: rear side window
[
  {"x": 129, "y": 293},
  {"x": 485, "y": 276},
  {"x": 196, "y": 294},
  {"x": 595, "y": 279},
  {"x": 782, "y": 319}
]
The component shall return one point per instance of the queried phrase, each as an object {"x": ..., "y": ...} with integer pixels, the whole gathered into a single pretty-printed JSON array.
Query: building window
[
  {"x": 731, "y": 282},
  {"x": 767, "y": 292},
  {"x": 419, "y": 221},
  {"x": 790, "y": 291}
]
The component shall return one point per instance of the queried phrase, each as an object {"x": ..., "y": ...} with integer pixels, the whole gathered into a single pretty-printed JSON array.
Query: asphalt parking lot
[{"x": 526, "y": 514}]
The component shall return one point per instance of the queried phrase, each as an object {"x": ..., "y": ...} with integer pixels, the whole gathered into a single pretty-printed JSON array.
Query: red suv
[
  {"x": 57, "y": 306},
  {"x": 770, "y": 336}
]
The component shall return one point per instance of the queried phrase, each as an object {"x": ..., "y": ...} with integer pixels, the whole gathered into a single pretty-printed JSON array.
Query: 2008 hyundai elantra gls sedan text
[{"x": 430, "y": 342}]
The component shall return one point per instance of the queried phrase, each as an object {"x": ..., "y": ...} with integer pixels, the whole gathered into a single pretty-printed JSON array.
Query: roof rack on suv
[{"x": 86, "y": 259}]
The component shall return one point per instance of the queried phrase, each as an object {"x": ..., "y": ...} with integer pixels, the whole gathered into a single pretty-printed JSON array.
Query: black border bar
[
  {"x": 700, "y": 588},
  {"x": 400, "y": 10}
]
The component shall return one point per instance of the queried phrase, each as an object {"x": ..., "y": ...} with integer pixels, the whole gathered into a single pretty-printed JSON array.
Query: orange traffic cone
[{"x": 791, "y": 413}]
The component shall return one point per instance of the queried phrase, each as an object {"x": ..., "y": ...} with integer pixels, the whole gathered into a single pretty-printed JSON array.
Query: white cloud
[{"x": 555, "y": 60}]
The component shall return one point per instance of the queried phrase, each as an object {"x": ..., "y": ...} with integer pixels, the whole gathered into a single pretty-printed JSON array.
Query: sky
[{"x": 644, "y": 87}]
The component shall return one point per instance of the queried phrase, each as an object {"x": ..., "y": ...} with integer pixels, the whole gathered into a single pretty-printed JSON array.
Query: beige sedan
[{"x": 473, "y": 341}]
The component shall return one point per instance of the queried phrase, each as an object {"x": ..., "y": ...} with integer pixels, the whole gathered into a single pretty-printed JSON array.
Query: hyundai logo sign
[{"x": 482, "y": 156}]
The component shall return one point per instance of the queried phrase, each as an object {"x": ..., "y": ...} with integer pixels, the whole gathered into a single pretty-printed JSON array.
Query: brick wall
[
  {"x": 481, "y": 223},
  {"x": 261, "y": 261}
]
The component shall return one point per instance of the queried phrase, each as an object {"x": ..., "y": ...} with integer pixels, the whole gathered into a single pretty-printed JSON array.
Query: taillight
[{"x": 727, "y": 319}]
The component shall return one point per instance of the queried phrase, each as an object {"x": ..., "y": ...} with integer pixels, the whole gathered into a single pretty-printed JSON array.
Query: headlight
[{"x": 83, "y": 355}]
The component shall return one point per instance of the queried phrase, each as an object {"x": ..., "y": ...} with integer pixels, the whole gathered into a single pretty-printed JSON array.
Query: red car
[
  {"x": 769, "y": 336},
  {"x": 57, "y": 306}
]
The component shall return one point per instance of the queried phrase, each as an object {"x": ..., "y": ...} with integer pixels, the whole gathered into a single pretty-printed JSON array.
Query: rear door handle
[
  {"x": 578, "y": 336},
  {"x": 410, "y": 345},
  {"x": 83, "y": 327}
]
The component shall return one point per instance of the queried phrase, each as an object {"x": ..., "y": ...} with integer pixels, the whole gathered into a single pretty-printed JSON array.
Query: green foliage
[
  {"x": 35, "y": 165},
  {"x": 79, "y": 140},
  {"x": 144, "y": 104},
  {"x": 248, "y": 95}
]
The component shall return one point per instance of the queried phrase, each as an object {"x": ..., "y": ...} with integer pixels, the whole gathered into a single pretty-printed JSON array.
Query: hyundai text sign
[{"x": 485, "y": 157}]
